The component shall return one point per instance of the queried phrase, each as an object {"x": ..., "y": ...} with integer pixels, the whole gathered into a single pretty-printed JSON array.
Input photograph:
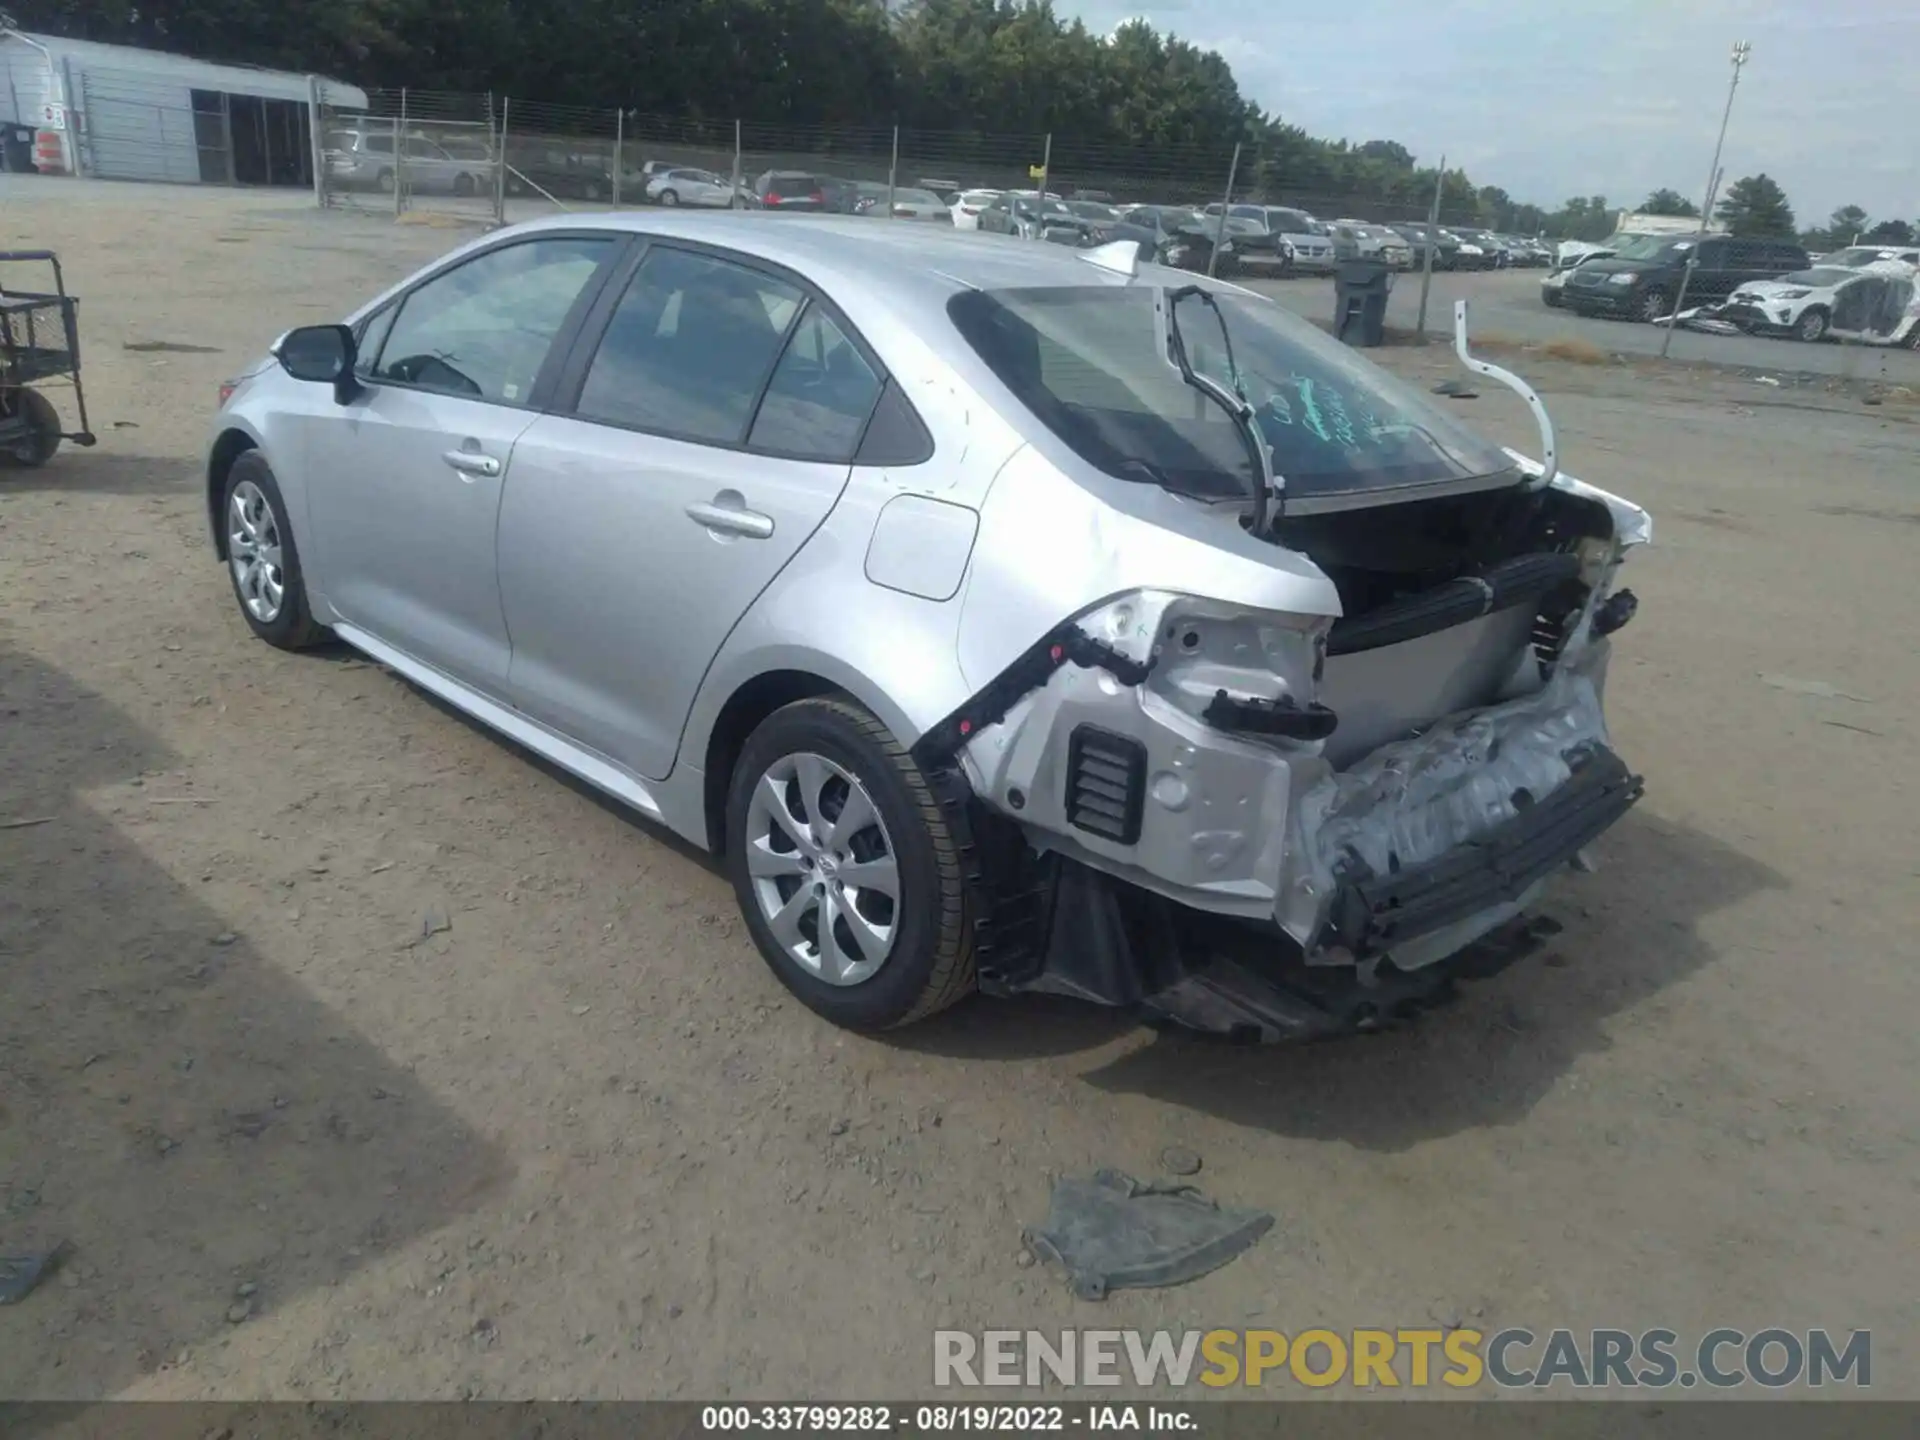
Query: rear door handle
[
  {"x": 469, "y": 462},
  {"x": 750, "y": 523}
]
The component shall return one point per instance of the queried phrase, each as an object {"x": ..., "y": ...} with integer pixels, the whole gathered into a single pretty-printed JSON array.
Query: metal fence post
[
  {"x": 500, "y": 165},
  {"x": 315, "y": 142},
  {"x": 1426, "y": 261},
  {"x": 619, "y": 145},
  {"x": 400, "y": 157},
  {"x": 1226, "y": 204},
  {"x": 733, "y": 200},
  {"x": 1046, "y": 170},
  {"x": 893, "y": 170}
]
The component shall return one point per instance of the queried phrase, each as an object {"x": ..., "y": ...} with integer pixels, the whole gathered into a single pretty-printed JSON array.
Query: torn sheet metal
[
  {"x": 1413, "y": 801},
  {"x": 1117, "y": 1233}
]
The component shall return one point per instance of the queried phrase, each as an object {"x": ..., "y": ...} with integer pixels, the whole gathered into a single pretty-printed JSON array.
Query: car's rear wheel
[
  {"x": 1812, "y": 325},
  {"x": 1652, "y": 304},
  {"x": 669, "y": 197},
  {"x": 262, "y": 560},
  {"x": 37, "y": 444},
  {"x": 384, "y": 180},
  {"x": 845, "y": 868},
  {"x": 464, "y": 185}
]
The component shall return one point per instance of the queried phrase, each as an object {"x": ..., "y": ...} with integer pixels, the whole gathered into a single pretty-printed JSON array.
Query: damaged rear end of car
[{"x": 1288, "y": 688}]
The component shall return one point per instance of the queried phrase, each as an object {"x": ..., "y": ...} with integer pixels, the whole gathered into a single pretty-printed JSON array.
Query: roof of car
[{"x": 849, "y": 254}]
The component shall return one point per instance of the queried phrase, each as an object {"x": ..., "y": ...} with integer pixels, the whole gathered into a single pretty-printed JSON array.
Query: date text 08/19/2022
[{"x": 947, "y": 1419}]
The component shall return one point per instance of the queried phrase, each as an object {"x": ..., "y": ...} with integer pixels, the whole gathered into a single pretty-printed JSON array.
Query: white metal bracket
[{"x": 1549, "y": 455}]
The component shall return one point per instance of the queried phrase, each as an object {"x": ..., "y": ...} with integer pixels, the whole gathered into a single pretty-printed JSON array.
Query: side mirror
[{"x": 322, "y": 354}]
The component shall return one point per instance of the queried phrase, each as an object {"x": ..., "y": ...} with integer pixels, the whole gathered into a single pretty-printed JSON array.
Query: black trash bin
[
  {"x": 1360, "y": 288},
  {"x": 16, "y": 149}
]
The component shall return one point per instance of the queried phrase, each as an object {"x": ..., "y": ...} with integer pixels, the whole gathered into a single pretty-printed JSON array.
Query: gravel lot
[{"x": 581, "y": 1144}]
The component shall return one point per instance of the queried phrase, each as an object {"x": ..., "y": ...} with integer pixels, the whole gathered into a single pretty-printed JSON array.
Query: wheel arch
[
  {"x": 233, "y": 442},
  {"x": 718, "y": 741}
]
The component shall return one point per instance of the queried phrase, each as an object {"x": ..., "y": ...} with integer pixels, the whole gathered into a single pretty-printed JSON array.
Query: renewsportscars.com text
[{"x": 1414, "y": 1358}]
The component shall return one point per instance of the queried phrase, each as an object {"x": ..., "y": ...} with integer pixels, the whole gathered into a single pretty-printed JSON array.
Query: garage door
[{"x": 141, "y": 127}]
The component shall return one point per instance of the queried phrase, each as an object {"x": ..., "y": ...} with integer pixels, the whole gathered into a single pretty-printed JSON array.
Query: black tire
[
  {"x": 465, "y": 185},
  {"x": 39, "y": 445},
  {"x": 294, "y": 627},
  {"x": 1812, "y": 326},
  {"x": 931, "y": 964},
  {"x": 384, "y": 182},
  {"x": 1551, "y": 299},
  {"x": 1651, "y": 305},
  {"x": 669, "y": 197}
]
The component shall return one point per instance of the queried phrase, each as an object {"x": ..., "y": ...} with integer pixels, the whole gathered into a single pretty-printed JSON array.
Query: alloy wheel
[
  {"x": 823, "y": 867},
  {"x": 253, "y": 550}
]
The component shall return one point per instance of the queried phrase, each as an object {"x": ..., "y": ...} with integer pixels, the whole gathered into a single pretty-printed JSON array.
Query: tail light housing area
[{"x": 227, "y": 387}]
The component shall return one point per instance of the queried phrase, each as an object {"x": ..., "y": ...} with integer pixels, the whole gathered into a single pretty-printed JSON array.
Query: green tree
[
  {"x": 1756, "y": 205},
  {"x": 1891, "y": 232},
  {"x": 1846, "y": 223},
  {"x": 1668, "y": 202},
  {"x": 1389, "y": 152}
]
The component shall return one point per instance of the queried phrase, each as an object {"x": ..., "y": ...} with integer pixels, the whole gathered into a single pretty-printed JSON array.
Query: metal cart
[{"x": 39, "y": 340}]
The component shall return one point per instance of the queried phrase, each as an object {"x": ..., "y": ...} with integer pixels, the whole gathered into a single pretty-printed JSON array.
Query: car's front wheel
[
  {"x": 1653, "y": 304},
  {"x": 1812, "y": 325},
  {"x": 845, "y": 868},
  {"x": 668, "y": 197},
  {"x": 262, "y": 561}
]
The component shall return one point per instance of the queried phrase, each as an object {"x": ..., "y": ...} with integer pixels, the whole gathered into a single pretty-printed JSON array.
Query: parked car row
[
  {"x": 1875, "y": 302},
  {"x": 1639, "y": 277}
]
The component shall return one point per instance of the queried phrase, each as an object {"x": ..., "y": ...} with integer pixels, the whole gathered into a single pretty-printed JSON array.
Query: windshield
[
  {"x": 1820, "y": 277},
  {"x": 1083, "y": 360},
  {"x": 1093, "y": 210},
  {"x": 1854, "y": 256},
  {"x": 1651, "y": 247}
]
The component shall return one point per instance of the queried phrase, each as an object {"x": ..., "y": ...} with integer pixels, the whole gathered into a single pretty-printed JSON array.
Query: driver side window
[{"x": 483, "y": 329}]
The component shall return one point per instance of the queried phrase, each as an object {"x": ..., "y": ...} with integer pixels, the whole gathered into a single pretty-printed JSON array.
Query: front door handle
[
  {"x": 469, "y": 462},
  {"x": 733, "y": 520}
]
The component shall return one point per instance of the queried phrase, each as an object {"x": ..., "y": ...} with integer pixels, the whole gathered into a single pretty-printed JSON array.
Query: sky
[{"x": 1554, "y": 98}]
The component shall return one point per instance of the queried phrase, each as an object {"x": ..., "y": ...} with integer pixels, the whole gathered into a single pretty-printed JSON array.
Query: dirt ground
[{"x": 581, "y": 1143}]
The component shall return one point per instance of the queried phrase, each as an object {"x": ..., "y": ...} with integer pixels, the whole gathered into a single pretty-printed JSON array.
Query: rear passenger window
[
  {"x": 482, "y": 330},
  {"x": 821, "y": 394},
  {"x": 689, "y": 348}
]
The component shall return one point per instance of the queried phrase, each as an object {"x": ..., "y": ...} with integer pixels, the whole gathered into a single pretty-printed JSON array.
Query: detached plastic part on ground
[
  {"x": 20, "y": 1275},
  {"x": 1117, "y": 1233}
]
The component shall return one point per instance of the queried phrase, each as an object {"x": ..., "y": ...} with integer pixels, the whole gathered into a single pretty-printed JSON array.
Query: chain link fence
[
  {"x": 482, "y": 154},
  {"x": 494, "y": 159},
  {"x": 414, "y": 150}
]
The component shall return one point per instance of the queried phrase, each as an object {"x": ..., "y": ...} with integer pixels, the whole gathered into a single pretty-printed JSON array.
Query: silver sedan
[{"x": 1005, "y": 617}]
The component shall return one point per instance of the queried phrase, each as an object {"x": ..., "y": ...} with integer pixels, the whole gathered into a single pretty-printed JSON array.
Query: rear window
[
  {"x": 794, "y": 184},
  {"x": 1084, "y": 360}
]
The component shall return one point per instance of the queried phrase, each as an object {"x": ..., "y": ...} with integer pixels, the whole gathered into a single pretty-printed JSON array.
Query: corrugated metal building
[{"x": 129, "y": 114}]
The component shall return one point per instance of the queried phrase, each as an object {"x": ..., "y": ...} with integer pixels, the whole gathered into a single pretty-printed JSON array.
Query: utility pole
[
  {"x": 1426, "y": 257},
  {"x": 1226, "y": 204},
  {"x": 1742, "y": 51}
]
